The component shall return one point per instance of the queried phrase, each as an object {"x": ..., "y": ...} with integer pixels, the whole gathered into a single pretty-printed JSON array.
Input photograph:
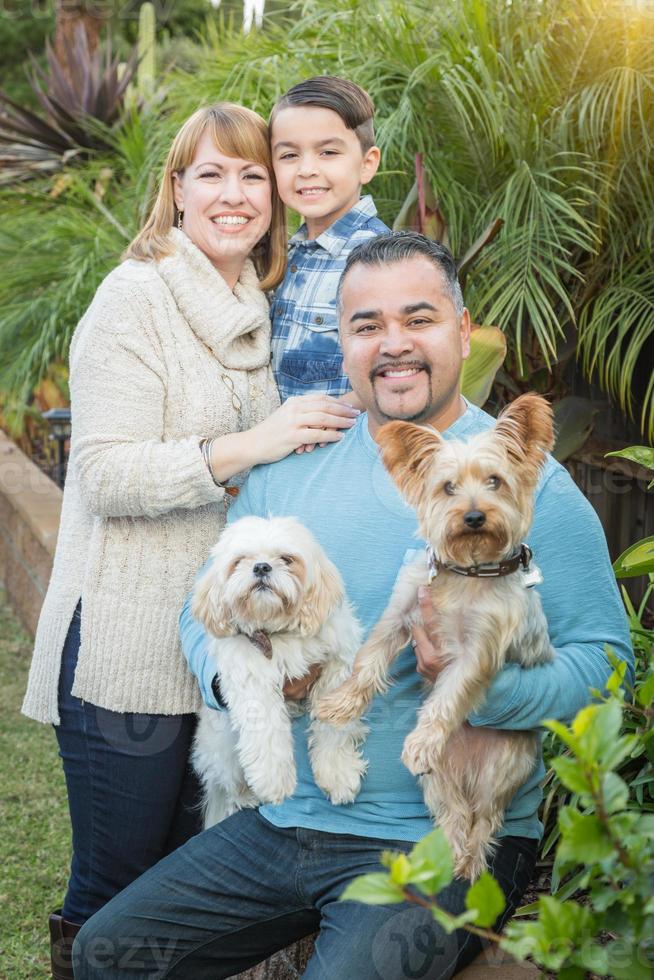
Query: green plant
[
  {"x": 24, "y": 27},
  {"x": 539, "y": 112},
  {"x": 59, "y": 239},
  {"x": 71, "y": 110},
  {"x": 639, "y": 558},
  {"x": 487, "y": 353}
]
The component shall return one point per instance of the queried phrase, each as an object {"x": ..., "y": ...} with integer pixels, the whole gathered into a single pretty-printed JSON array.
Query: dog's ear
[
  {"x": 324, "y": 596},
  {"x": 408, "y": 451},
  {"x": 207, "y": 606},
  {"x": 526, "y": 431}
]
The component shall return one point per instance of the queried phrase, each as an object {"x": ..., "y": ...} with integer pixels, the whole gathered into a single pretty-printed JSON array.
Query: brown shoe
[{"x": 62, "y": 935}]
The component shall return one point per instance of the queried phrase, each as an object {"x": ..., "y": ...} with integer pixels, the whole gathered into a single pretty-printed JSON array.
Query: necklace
[{"x": 237, "y": 404}]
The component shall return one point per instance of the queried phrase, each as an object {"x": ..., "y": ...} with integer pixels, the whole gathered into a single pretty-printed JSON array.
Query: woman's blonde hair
[{"x": 236, "y": 132}]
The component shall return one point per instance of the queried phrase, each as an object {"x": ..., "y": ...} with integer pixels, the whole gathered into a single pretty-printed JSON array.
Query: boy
[{"x": 323, "y": 151}]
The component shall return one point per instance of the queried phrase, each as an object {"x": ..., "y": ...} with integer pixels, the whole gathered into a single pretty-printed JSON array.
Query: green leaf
[
  {"x": 564, "y": 920},
  {"x": 629, "y": 962},
  {"x": 486, "y": 898},
  {"x": 573, "y": 884},
  {"x": 571, "y": 774},
  {"x": 643, "y": 455},
  {"x": 373, "y": 889},
  {"x": 636, "y": 560},
  {"x": 551, "y": 939},
  {"x": 615, "y": 754},
  {"x": 518, "y": 945},
  {"x": 400, "y": 870},
  {"x": 386, "y": 858},
  {"x": 602, "y": 898},
  {"x": 431, "y": 863},
  {"x": 645, "y": 824},
  {"x": 624, "y": 824},
  {"x": 487, "y": 354},
  {"x": 571, "y": 973},
  {"x": 645, "y": 692},
  {"x": 593, "y": 958},
  {"x": 583, "y": 839},
  {"x": 566, "y": 735},
  {"x": 616, "y": 679},
  {"x": 597, "y": 728},
  {"x": 451, "y": 922},
  {"x": 615, "y": 792}
]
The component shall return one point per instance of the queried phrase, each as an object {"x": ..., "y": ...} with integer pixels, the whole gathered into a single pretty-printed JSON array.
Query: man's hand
[
  {"x": 298, "y": 689},
  {"x": 429, "y": 661}
]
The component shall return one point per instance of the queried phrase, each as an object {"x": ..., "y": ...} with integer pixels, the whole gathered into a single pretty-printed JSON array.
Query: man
[{"x": 262, "y": 879}]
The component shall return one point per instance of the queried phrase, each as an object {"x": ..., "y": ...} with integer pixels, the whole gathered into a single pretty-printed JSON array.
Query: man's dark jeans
[
  {"x": 132, "y": 796},
  {"x": 241, "y": 890}
]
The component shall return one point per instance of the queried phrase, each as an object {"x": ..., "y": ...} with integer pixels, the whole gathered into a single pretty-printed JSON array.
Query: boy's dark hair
[
  {"x": 347, "y": 100},
  {"x": 394, "y": 246}
]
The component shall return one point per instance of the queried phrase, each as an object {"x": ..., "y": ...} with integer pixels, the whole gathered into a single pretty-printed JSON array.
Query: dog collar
[
  {"x": 519, "y": 559},
  {"x": 261, "y": 640}
]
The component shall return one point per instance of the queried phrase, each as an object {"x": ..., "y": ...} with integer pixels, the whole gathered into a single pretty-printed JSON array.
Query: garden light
[{"x": 58, "y": 420}]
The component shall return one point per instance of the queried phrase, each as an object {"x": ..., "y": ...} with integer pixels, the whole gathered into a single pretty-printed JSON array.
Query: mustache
[{"x": 399, "y": 366}]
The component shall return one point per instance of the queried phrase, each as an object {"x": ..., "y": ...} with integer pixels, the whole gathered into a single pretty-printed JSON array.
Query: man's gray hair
[{"x": 394, "y": 246}]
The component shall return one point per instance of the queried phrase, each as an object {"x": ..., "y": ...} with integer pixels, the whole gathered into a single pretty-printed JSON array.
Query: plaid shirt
[{"x": 306, "y": 354}]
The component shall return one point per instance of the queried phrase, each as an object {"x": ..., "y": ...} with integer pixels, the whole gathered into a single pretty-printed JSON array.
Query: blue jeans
[
  {"x": 243, "y": 889},
  {"x": 132, "y": 795}
]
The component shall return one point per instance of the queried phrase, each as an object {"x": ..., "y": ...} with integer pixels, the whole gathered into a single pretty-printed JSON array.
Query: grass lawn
[{"x": 34, "y": 848}]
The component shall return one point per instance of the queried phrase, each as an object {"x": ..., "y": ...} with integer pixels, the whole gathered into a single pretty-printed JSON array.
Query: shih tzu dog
[
  {"x": 474, "y": 503},
  {"x": 274, "y": 606}
]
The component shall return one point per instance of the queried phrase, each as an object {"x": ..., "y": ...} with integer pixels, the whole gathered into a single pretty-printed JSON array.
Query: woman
[{"x": 172, "y": 395}]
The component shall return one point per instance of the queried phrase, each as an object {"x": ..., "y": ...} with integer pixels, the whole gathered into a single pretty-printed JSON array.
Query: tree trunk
[{"x": 68, "y": 15}]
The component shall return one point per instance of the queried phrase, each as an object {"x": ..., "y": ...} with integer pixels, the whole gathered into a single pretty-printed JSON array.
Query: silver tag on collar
[{"x": 531, "y": 576}]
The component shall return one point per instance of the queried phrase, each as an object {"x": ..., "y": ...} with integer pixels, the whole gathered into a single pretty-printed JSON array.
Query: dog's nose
[
  {"x": 474, "y": 519},
  {"x": 261, "y": 569}
]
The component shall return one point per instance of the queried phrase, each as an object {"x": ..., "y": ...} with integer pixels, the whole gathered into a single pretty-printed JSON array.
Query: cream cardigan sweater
[{"x": 152, "y": 363}]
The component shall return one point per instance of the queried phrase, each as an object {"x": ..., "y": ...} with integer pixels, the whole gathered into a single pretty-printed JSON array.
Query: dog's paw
[
  {"x": 274, "y": 787},
  {"x": 422, "y": 751},
  {"x": 469, "y": 866},
  {"x": 341, "y": 779},
  {"x": 344, "y": 704}
]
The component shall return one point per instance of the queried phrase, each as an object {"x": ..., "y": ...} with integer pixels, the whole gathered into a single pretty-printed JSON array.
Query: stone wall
[{"x": 30, "y": 505}]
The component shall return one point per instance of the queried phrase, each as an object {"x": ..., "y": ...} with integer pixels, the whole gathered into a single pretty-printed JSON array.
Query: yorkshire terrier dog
[
  {"x": 474, "y": 502},
  {"x": 275, "y": 606}
]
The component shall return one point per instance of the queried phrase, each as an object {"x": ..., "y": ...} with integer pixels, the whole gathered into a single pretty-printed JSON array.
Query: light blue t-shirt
[{"x": 343, "y": 494}]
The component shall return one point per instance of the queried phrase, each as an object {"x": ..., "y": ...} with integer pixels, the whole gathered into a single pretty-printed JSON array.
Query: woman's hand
[
  {"x": 300, "y": 423},
  {"x": 349, "y": 399},
  {"x": 303, "y": 420},
  {"x": 429, "y": 659}
]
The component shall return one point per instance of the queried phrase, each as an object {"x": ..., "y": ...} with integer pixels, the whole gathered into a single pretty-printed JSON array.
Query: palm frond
[{"x": 616, "y": 329}]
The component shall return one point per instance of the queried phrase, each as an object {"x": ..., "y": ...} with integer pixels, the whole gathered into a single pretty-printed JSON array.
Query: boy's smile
[{"x": 319, "y": 164}]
